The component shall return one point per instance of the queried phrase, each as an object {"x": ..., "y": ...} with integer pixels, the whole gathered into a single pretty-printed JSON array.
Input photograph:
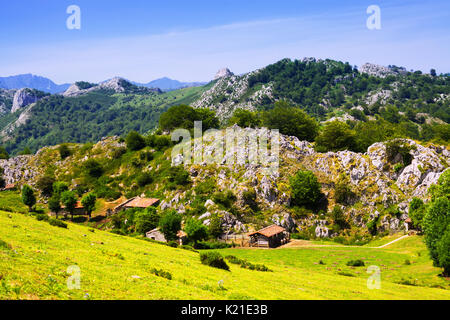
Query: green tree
[
  {"x": 88, "y": 201},
  {"x": 146, "y": 220},
  {"x": 135, "y": 141},
  {"x": 59, "y": 187},
  {"x": 436, "y": 225},
  {"x": 182, "y": 116},
  {"x": 3, "y": 153},
  {"x": 338, "y": 217},
  {"x": 196, "y": 231},
  {"x": 25, "y": 151},
  {"x": 45, "y": 184},
  {"x": 305, "y": 189},
  {"x": 54, "y": 204},
  {"x": 416, "y": 212},
  {"x": 336, "y": 136},
  {"x": 28, "y": 197},
  {"x": 245, "y": 119},
  {"x": 170, "y": 224},
  {"x": 215, "y": 226},
  {"x": 291, "y": 121},
  {"x": 69, "y": 200}
]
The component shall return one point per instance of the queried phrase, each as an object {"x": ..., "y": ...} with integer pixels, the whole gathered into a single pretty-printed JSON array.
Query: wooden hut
[{"x": 269, "y": 237}]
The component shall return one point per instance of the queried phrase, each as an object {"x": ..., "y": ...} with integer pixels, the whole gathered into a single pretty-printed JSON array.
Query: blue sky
[{"x": 190, "y": 40}]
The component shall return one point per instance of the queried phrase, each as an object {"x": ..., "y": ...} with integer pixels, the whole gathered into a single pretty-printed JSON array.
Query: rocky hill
[{"x": 378, "y": 189}]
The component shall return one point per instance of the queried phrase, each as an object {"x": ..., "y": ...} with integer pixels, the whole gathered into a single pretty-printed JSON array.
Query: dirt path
[{"x": 308, "y": 244}]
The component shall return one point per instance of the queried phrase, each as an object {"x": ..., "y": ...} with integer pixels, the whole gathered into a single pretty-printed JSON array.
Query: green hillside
[
  {"x": 34, "y": 257},
  {"x": 92, "y": 116}
]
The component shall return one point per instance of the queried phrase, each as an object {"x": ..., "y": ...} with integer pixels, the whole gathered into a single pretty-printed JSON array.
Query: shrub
[
  {"x": 225, "y": 198},
  {"x": 211, "y": 245},
  {"x": 356, "y": 263},
  {"x": 118, "y": 152},
  {"x": 135, "y": 141},
  {"x": 291, "y": 121},
  {"x": 144, "y": 179},
  {"x": 161, "y": 273},
  {"x": 244, "y": 119},
  {"x": 247, "y": 265},
  {"x": 64, "y": 151},
  {"x": 337, "y": 215},
  {"x": 305, "y": 188},
  {"x": 397, "y": 147},
  {"x": 42, "y": 217},
  {"x": 178, "y": 176},
  {"x": 343, "y": 193},
  {"x": 214, "y": 259},
  {"x": 336, "y": 136},
  {"x": 93, "y": 168},
  {"x": 57, "y": 223}
]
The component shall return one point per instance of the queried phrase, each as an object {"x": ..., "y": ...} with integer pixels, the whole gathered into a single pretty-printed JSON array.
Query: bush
[
  {"x": 64, "y": 151},
  {"x": 356, "y": 263},
  {"x": 211, "y": 245},
  {"x": 338, "y": 217},
  {"x": 343, "y": 193},
  {"x": 214, "y": 259},
  {"x": 336, "y": 136},
  {"x": 135, "y": 141},
  {"x": 291, "y": 121},
  {"x": 57, "y": 223},
  {"x": 305, "y": 189},
  {"x": 178, "y": 176},
  {"x": 93, "y": 168},
  {"x": 244, "y": 119},
  {"x": 161, "y": 273},
  {"x": 225, "y": 198},
  {"x": 42, "y": 217},
  {"x": 399, "y": 147},
  {"x": 144, "y": 179},
  {"x": 247, "y": 265}
]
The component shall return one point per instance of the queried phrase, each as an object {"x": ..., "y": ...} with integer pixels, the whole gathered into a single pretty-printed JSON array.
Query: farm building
[
  {"x": 136, "y": 202},
  {"x": 269, "y": 237},
  {"x": 157, "y": 235},
  {"x": 78, "y": 211},
  {"x": 9, "y": 187}
]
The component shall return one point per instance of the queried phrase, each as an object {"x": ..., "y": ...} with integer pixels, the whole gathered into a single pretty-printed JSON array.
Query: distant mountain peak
[
  {"x": 222, "y": 73},
  {"x": 29, "y": 80}
]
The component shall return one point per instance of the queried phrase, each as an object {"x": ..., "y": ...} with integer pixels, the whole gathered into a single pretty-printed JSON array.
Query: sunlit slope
[{"x": 34, "y": 257}]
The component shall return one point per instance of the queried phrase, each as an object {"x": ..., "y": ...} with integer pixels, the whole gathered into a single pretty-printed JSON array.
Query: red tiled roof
[
  {"x": 10, "y": 186},
  {"x": 77, "y": 206},
  {"x": 141, "y": 203},
  {"x": 269, "y": 231}
]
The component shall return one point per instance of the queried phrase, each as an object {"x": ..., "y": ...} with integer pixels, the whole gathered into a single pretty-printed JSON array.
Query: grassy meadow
[{"x": 34, "y": 257}]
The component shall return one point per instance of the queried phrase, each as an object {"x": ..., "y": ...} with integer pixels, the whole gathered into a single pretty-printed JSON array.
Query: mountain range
[
  {"x": 44, "y": 84},
  {"x": 415, "y": 105}
]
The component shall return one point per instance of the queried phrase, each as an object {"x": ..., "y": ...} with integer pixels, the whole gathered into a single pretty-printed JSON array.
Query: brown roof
[
  {"x": 77, "y": 206},
  {"x": 408, "y": 220},
  {"x": 141, "y": 203},
  {"x": 269, "y": 231},
  {"x": 10, "y": 186}
]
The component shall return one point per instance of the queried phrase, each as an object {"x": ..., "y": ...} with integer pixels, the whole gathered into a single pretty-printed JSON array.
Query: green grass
[
  {"x": 35, "y": 257},
  {"x": 11, "y": 201}
]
